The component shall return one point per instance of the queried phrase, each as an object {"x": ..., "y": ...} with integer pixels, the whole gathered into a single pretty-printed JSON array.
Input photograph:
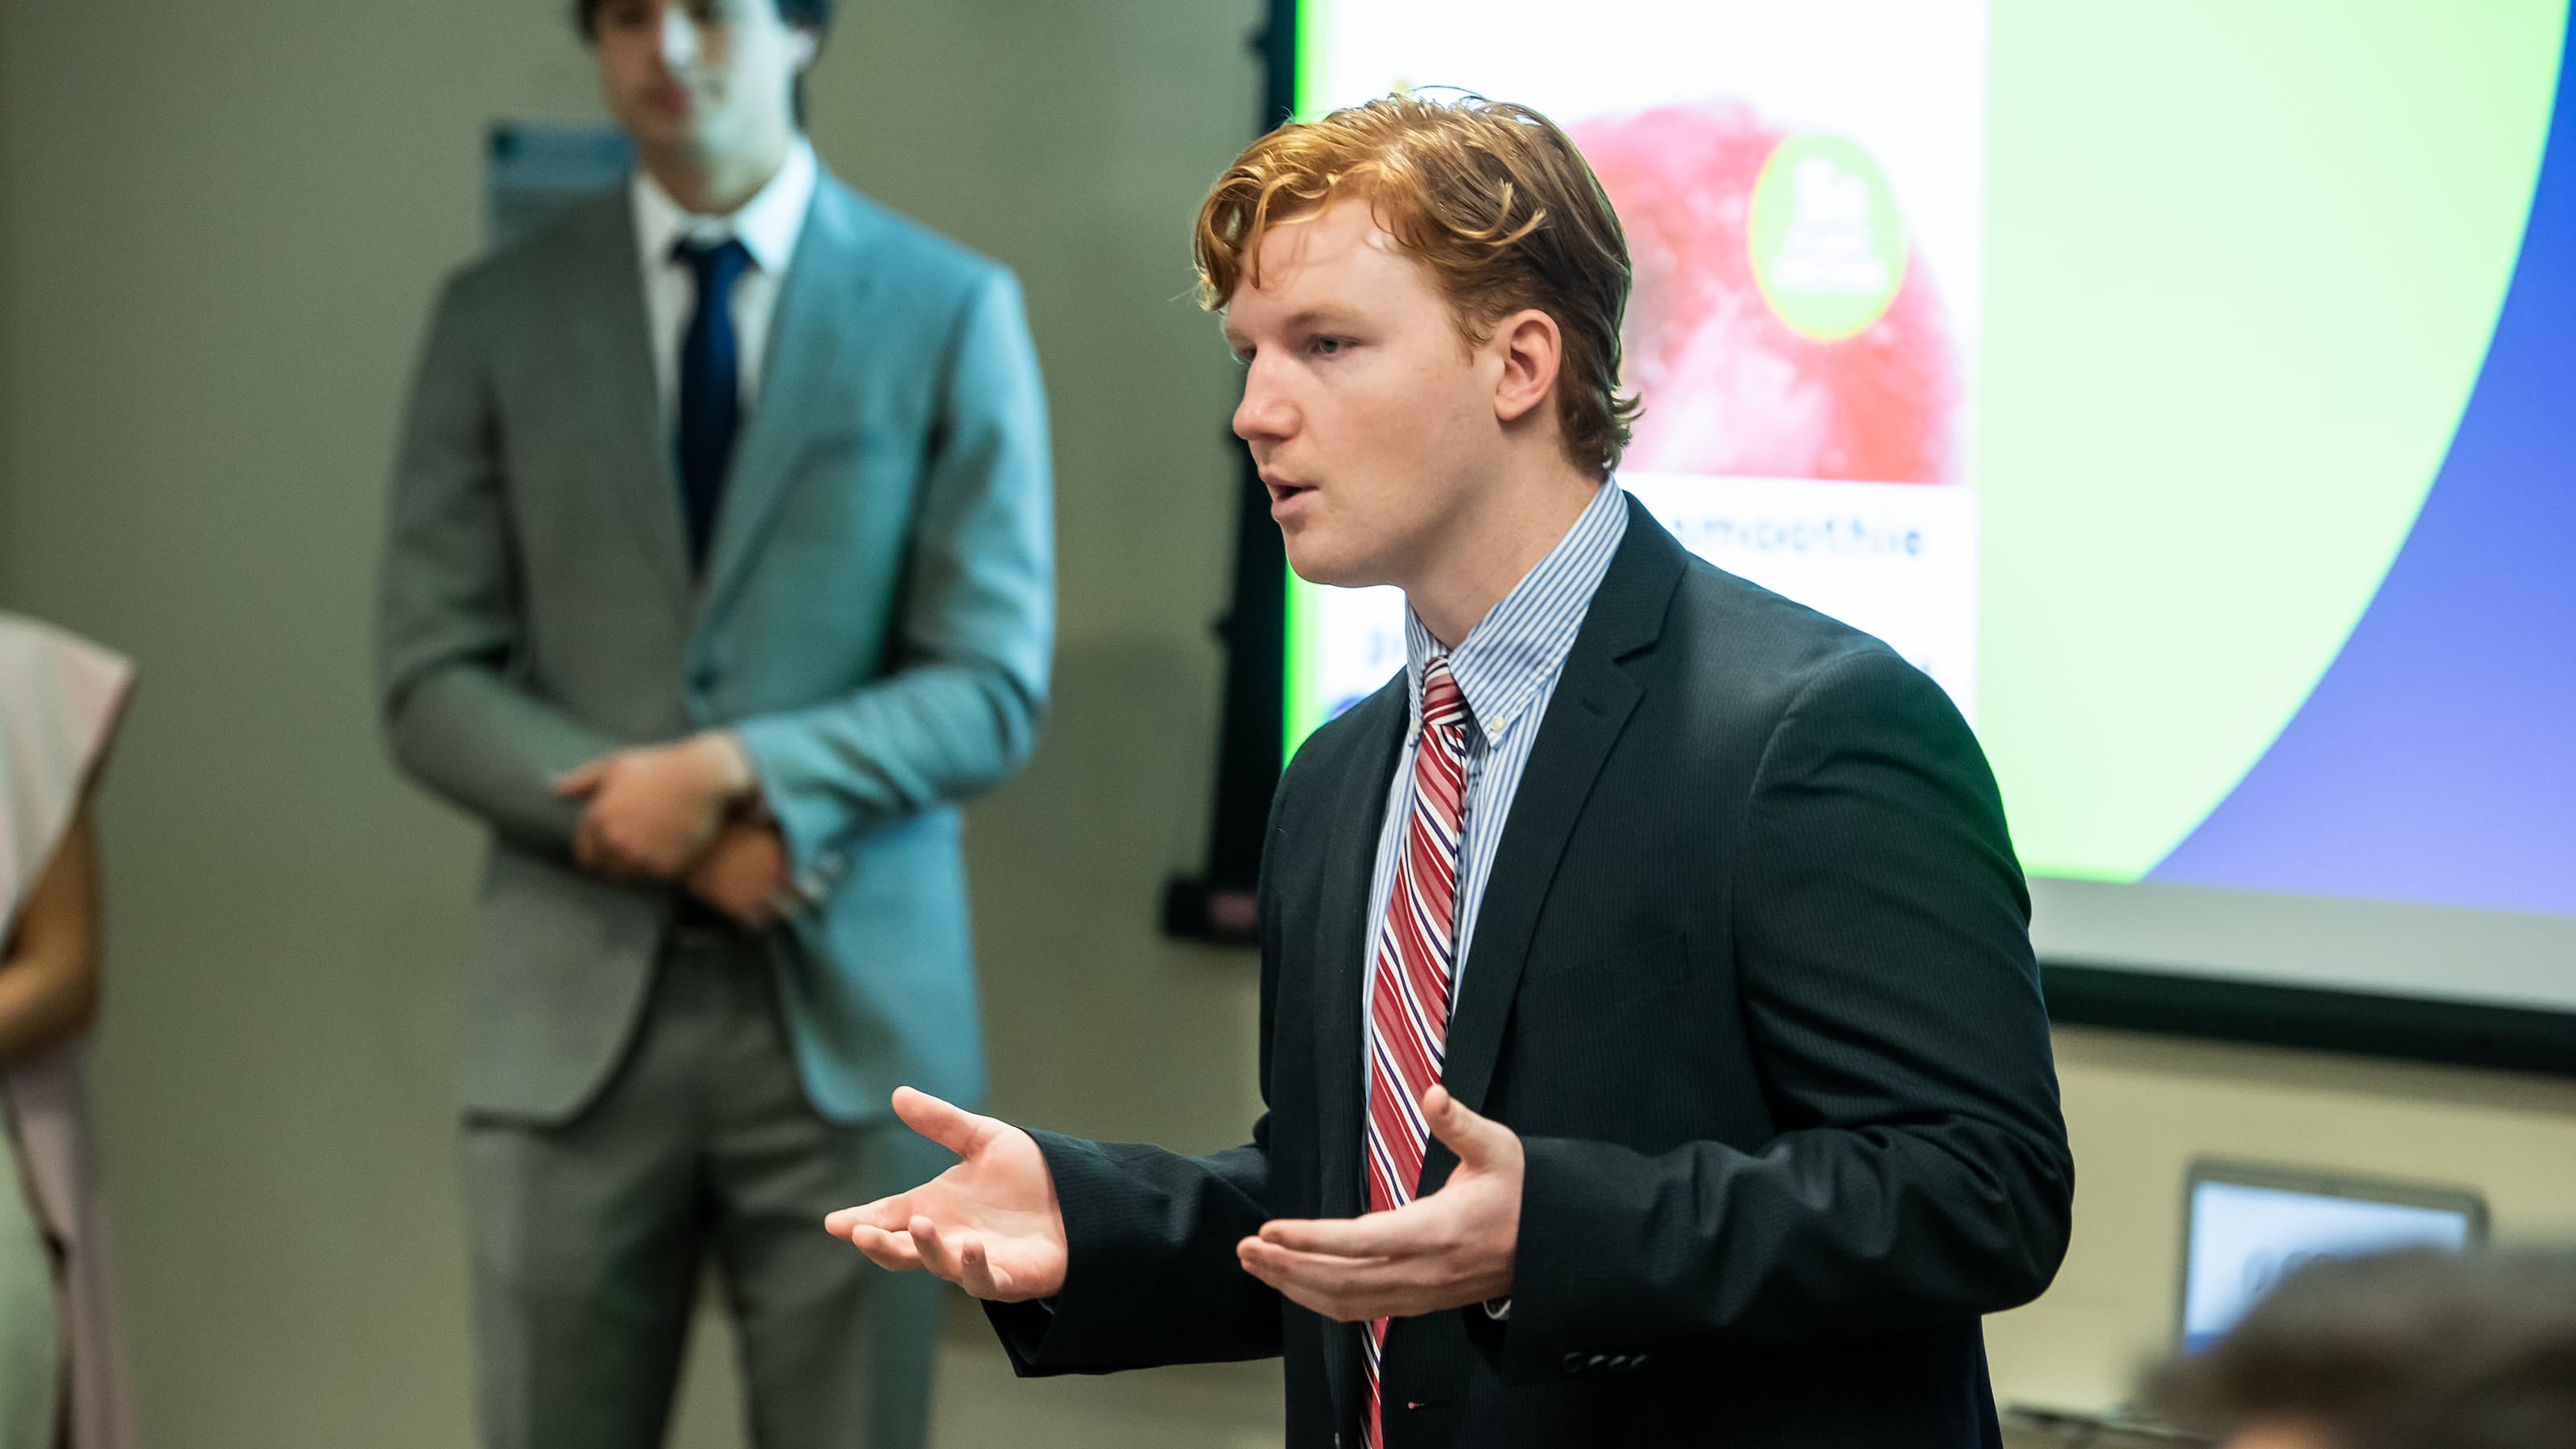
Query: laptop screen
[{"x": 2243, "y": 1236}]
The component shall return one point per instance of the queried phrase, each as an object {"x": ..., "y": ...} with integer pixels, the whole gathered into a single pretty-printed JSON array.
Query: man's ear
[
  {"x": 804, "y": 43},
  {"x": 1530, "y": 347}
]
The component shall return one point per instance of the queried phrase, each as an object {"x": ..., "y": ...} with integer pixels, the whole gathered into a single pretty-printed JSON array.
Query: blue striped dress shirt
[{"x": 1507, "y": 668}]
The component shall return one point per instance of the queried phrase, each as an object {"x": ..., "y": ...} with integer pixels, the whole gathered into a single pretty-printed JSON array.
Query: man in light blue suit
[{"x": 719, "y": 572}]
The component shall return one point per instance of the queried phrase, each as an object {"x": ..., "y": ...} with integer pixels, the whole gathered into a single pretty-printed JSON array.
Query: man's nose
[
  {"x": 1264, "y": 412},
  {"x": 679, "y": 37}
]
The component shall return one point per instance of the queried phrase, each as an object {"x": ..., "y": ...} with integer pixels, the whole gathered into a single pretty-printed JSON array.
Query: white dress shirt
[
  {"x": 1507, "y": 668},
  {"x": 767, "y": 226}
]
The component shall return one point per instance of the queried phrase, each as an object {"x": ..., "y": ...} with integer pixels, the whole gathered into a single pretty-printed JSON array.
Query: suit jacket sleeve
[
  {"x": 1921, "y": 1173},
  {"x": 961, "y": 708},
  {"x": 1152, "y": 1277},
  {"x": 449, "y": 630}
]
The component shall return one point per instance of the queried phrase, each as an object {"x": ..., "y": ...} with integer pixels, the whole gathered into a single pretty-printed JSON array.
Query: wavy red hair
[{"x": 1491, "y": 197}]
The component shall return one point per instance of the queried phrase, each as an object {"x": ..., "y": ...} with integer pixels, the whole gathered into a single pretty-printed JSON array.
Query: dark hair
[
  {"x": 813, "y": 15},
  {"x": 2415, "y": 1349}
]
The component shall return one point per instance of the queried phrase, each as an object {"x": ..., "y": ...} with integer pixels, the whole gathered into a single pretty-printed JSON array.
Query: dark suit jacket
[{"x": 1752, "y": 981}]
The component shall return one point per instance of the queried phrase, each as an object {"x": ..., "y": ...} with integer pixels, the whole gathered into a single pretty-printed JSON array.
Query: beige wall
[{"x": 223, "y": 223}]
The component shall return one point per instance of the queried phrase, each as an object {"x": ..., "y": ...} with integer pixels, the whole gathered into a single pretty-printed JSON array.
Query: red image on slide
[{"x": 1729, "y": 387}]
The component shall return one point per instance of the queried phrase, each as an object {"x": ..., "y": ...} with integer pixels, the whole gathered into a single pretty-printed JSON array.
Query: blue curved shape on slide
[{"x": 2436, "y": 760}]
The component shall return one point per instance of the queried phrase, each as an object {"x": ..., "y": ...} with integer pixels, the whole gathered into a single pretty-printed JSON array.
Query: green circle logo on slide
[{"x": 1828, "y": 247}]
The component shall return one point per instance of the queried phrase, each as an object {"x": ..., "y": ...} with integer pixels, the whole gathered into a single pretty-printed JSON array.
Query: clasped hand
[
  {"x": 676, "y": 812},
  {"x": 992, "y": 1225}
]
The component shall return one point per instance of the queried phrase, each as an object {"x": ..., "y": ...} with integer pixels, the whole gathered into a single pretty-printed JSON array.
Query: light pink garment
[{"x": 60, "y": 699}]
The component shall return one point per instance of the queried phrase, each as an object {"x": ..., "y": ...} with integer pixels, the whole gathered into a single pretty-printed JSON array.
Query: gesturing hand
[
  {"x": 1447, "y": 1250},
  {"x": 990, "y": 1224}
]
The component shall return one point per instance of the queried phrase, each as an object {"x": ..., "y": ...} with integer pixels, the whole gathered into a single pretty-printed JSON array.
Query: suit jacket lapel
[
  {"x": 1593, "y": 699},
  {"x": 1341, "y": 934},
  {"x": 1341, "y": 937},
  {"x": 816, "y": 335},
  {"x": 613, "y": 372}
]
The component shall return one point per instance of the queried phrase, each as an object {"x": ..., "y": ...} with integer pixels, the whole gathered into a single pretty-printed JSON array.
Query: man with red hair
[{"x": 1651, "y": 1040}]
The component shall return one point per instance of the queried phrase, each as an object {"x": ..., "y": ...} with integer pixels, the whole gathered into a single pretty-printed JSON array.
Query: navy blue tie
[{"x": 710, "y": 388}]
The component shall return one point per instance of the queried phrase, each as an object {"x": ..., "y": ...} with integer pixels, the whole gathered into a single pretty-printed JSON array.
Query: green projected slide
[{"x": 2099, "y": 359}]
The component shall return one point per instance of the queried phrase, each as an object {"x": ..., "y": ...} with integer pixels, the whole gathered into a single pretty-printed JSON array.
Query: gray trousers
[{"x": 588, "y": 1238}]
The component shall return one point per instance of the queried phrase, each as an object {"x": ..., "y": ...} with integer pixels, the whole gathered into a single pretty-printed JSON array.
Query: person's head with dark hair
[
  {"x": 813, "y": 15},
  {"x": 713, "y": 86},
  {"x": 2416, "y": 1349}
]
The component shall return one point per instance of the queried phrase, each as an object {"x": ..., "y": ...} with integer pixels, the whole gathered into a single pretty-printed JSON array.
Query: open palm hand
[{"x": 990, "y": 1224}]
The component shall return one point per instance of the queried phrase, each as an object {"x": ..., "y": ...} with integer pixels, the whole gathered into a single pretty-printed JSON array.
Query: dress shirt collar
[
  {"x": 1521, "y": 644},
  {"x": 767, "y": 224}
]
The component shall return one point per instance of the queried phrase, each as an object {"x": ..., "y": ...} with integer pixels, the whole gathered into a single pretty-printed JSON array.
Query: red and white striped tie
[{"x": 1408, "y": 1017}]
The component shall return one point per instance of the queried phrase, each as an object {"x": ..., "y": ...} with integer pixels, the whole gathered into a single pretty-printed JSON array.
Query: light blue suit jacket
[{"x": 875, "y": 619}]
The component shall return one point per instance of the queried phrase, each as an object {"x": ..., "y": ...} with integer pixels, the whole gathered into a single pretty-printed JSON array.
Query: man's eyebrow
[{"x": 1324, "y": 316}]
